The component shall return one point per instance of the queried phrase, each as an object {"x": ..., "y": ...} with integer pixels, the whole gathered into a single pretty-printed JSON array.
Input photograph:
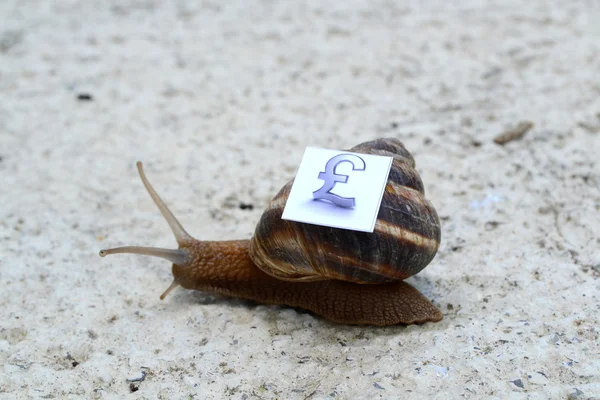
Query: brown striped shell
[{"x": 405, "y": 239}]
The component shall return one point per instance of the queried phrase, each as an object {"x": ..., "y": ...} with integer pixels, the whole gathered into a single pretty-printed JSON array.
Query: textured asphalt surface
[{"x": 220, "y": 99}]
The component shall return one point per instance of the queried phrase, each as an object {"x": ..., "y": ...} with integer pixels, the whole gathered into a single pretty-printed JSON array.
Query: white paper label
[{"x": 338, "y": 189}]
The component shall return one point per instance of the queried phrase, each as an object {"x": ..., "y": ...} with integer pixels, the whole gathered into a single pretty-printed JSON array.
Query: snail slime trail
[{"x": 345, "y": 276}]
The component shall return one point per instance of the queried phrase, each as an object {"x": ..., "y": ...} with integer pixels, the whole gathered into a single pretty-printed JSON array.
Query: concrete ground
[{"x": 219, "y": 99}]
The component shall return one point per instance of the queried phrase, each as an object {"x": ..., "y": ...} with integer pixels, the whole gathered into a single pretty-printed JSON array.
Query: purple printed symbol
[{"x": 331, "y": 178}]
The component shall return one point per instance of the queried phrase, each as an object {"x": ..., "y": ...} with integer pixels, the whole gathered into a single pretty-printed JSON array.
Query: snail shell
[{"x": 405, "y": 239}]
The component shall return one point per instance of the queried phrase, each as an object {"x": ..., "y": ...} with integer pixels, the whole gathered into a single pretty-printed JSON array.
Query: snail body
[{"x": 345, "y": 276}]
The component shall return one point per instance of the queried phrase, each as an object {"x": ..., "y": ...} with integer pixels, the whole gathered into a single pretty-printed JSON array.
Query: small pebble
[
  {"x": 514, "y": 134},
  {"x": 518, "y": 383},
  {"x": 84, "y": 97}
]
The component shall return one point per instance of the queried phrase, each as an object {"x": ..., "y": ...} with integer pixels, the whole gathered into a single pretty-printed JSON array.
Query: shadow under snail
[{"x": 345, "y": 276}]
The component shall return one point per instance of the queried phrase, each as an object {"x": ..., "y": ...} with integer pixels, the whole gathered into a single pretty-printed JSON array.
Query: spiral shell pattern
[{"x": 405, "y": 239}]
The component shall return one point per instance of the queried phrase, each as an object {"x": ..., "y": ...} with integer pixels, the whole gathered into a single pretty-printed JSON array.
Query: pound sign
[{"x": 331, "y": 178}]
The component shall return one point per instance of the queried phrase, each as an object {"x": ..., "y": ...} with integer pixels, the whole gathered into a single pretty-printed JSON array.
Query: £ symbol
[{"x": 331, "y": 178}]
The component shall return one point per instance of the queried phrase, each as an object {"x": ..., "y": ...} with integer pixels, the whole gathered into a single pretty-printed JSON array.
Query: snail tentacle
[
  {"x": 180, "y": 234},
  {"x": 176, "y": 256}
]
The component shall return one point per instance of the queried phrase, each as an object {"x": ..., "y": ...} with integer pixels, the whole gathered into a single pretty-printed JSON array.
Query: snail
[{"x": 345, "y": 276}]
